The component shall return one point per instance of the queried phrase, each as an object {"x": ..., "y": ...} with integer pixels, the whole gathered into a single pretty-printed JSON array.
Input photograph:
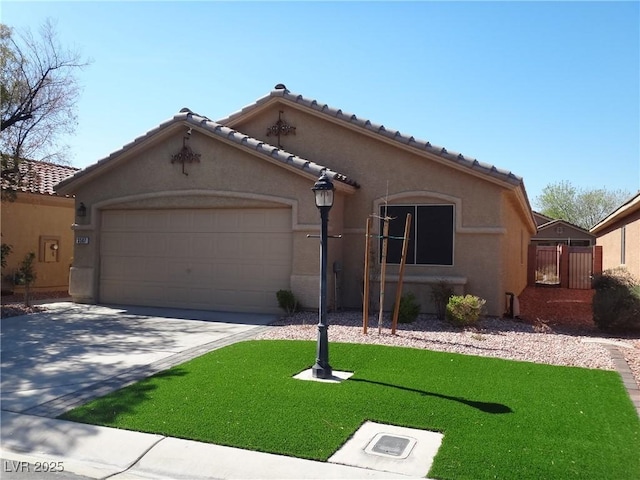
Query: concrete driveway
[{"x": 61, "y": 358}]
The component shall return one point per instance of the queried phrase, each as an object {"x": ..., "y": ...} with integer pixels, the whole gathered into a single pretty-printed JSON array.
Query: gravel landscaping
[
  {"x": 572, "y": 341},
  {"x": 492, "y": 337}
]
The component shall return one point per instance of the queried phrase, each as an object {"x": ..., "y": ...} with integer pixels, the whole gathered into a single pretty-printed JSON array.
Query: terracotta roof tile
[{"x": 42, "y": 177}]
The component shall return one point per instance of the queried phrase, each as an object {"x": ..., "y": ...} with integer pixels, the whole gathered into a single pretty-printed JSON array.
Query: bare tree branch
[{"x": 39, "y": 91}]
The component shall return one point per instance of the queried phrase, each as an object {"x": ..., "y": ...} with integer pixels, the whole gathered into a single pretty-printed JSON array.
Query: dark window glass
[
  {"x": 430, "y": 236},
  {"x": 398, "y": 214}
]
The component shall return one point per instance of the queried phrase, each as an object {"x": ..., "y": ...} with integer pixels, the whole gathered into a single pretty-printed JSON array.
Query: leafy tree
[
  {"x": 38, "y": 96},
  {"x": 583, "y": 207}
]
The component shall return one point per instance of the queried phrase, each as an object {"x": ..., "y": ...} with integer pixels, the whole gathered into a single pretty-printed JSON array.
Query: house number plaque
[{"x": 82, "y": 240}]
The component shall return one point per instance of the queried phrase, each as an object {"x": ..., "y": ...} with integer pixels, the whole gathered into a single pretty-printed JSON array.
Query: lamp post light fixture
[{"x": 323, "y": 190}]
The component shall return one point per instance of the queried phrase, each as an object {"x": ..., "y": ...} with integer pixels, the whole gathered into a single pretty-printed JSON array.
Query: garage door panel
[
  {"x": 112, "y": 222},
  {"x": 280, "y": 272},
  {"x": 278, "y": 223},
  {"x": 204, "y": 244},
  {"x": 112, "y": 268},
  {"x": 227, "y": 221},
  {"x": 228, "y": 275},
  {"x": 255, "y": 222},
  {"x": 152, "y": 269},
  {"x": 228, "y": 259},
  {"x": 203, "y": 221},
  {"x": 227, "y": 246},
  {"x": 252, "y": 247},
  {"x": 278, "y": 246},
  {"x": 111, "y": 243}
]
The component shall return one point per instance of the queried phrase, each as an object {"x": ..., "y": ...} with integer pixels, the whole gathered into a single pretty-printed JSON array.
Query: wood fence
[{"x": 563, "y": 266}]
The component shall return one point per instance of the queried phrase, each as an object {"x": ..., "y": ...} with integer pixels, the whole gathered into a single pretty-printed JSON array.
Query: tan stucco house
[
  {"x": 38, "y": 221},
  {"x": 209, "y": 214},
  {"x": 553, "y": 232},
  {"x": 619, "y": 236}
]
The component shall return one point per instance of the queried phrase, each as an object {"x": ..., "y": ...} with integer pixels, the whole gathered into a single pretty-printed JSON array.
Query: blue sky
[{"x": 548, "y": 90}]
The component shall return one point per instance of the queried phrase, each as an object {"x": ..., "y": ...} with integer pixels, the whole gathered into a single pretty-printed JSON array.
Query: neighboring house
[
  {"x": 559, "y": 232},
  {"x": 619, "y": 235},
  {"x": 217, "y": 215},
  {"x": 39, "y": 221}
]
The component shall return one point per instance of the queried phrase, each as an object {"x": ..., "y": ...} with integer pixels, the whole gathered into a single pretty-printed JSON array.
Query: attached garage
[{"x": 223, "y": 259}]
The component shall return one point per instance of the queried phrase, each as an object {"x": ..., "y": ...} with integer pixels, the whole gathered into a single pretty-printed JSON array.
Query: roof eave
[
  {"x": 630, "y": 206},
  {"x": 186, "y": 118}
]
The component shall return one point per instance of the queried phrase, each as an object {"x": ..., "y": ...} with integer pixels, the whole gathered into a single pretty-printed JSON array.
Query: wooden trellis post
[
  {"x": 365, "y": 301},
  {"x": 383, "y": 268},
  {"x": 403, "y": 261}
]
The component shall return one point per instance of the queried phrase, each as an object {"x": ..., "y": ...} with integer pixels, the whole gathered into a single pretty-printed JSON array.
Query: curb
[{"x": 628, "y": 379}]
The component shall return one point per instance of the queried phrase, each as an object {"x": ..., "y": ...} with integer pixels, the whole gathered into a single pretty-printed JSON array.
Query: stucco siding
[
  {"x": 385, "y": 171},
  {"x": 48, "y": 218},
  {"x": 514, "y": 248},
  {"x": 379, "y": 166},
  {"x": 611, "y": 242}
]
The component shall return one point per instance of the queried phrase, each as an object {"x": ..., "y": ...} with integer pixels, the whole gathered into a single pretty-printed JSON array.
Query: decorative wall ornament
[
  {"x": 185, "y": 155},
  {"x": 280, "y": 128}
]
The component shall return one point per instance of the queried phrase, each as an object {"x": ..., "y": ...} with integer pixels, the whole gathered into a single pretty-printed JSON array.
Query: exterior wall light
[{"x": 82, "y": 210}]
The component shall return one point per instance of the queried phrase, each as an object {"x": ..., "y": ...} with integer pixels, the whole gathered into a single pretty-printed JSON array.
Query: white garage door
[{"x": 220, "y": 259}]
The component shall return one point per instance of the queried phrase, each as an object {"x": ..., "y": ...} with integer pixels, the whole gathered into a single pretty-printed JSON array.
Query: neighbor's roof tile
[{"x": 40, "y": 177}]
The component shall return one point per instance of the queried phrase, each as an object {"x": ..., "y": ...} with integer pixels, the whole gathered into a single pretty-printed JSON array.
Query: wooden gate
[
  {"x": 563, "y": 266},
  {"x": 547, "y": 269},
  {"x": 580, "y": 267}
]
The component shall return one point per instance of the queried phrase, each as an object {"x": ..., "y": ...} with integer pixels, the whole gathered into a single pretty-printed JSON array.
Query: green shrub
[
  {"x": 464, "y": 310},
  {"x": 616, "y": 302},
  {"x": 26, "y": 275},
  {"x": 287, "y": 301},
  {"x": 440, "y": 294},
  {"x": 5, "y": 250},
  {"x": 409, "y": 308}
]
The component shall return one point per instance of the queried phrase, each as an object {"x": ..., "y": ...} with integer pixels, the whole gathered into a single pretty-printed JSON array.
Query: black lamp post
[{"x": 323, "y": 190}]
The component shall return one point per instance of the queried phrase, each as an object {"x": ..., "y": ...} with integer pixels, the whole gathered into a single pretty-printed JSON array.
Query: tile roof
[
  {"x": 632, "y": 205},
  {"x": 259, "y": 146},
  {"x": 41, "y": 177},
  {"x": 187, "y": 117},
  {"x": 556, "y": 222},
  {"x": 280, "y": 91}
]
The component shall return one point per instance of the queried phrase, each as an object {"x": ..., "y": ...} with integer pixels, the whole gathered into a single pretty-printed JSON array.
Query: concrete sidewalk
[{"x": 100, "y": 452}]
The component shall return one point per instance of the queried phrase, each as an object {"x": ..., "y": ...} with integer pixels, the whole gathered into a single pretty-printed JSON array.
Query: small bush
[
  {"x": 5, "y": 250},
  {"x": 440, "y": 294},
  {"x": 287, "y": 301},
  {"x": 462, "y": 311},
  {"x": 409, "y": 308},
  {"x": 26, "y": 275},
  {"x": 616, "y": 302}
]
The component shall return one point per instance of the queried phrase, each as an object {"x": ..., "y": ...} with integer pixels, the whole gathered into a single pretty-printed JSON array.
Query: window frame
[{"x": 413, "y": 256}]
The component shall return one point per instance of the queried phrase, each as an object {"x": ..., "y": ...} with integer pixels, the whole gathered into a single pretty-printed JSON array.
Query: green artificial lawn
[{"x": 500, "y": 419}]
